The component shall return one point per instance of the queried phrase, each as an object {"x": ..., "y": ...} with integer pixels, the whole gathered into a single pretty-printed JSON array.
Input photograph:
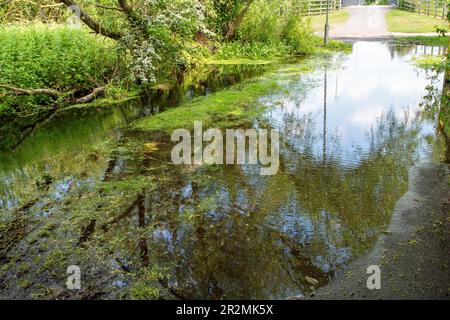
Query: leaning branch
[
  {"x": 95, "y": 93},
  {"x": 232, "y": 25},
  {"x": 30, "y": 92},
  {"x": 53, "y": 93},
  {"x": 91, "y": 23}
]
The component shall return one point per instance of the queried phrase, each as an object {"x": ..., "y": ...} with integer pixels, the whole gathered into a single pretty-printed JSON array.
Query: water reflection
[
  {"x": 85, "y": 126},
  {"x": 348, "y": 137},
  {"x": 344, "y": 164}
]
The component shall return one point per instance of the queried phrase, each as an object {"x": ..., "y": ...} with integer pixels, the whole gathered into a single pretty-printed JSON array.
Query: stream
[{"x": 349, "y": 131}]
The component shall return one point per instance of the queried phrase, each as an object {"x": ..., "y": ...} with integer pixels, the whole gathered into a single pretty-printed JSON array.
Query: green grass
[
  {"x": 429, "y": 41},
  {"x": 411, "y": 22},
  {"x": 230, "y": 107},
  {"x": 233, "y": 105},
  {"x": 237, "y": 61},
  {"x": 335, "y": 18},
  {"x": 253, "y": 50},
  {"x": 50, "y": 56}
]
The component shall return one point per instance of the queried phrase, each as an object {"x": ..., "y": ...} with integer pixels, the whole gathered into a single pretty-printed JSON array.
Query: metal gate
[{"x": 346, "y": 3}]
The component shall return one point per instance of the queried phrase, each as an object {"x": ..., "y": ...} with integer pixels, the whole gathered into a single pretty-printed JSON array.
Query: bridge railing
[{"x": 435, "y": 8}]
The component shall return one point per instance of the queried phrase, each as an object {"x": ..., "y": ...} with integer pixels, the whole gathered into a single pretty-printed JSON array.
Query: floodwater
[{"x": 349, "y": 131}]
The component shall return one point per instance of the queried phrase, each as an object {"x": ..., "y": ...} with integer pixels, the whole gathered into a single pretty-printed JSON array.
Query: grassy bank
[
  {"x": 72, "y": 62},
  {"x": 411, "y": 22},
  {"x": 441, "y": 41}
]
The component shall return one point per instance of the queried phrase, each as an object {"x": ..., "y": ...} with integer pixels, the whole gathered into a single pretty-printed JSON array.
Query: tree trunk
[{"x": 234, "y": 24}]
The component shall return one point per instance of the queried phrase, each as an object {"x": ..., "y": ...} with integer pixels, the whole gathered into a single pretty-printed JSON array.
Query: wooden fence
[
  {"x": 435, "y": 8},
  {"x": 316, "y": 7}
]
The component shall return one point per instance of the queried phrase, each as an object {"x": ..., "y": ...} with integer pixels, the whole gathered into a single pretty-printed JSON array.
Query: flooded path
[{"x": 141, "y": 227}]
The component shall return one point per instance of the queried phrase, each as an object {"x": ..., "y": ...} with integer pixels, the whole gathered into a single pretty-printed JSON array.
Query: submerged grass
[
  {"x": 234, "y": 105},
  {"x": 230, "y": 107},
  {"x": 237, "y": 61}
]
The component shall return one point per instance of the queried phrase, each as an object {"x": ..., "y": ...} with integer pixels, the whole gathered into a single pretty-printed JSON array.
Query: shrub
[
  {"x": 253, "y": 50},
  {"x": 50, "y": 56},
  {"x": 269, "y": 30}
]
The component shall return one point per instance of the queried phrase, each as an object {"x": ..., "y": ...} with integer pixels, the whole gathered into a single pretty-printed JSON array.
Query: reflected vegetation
[
  {"x": 348, "y": 136},
  {"x": 85, "y": 125}
]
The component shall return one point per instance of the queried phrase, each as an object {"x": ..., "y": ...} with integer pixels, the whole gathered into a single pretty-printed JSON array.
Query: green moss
[
  {"x": 146, "y": 283},
  {"x": 23, "y": 267},
  {"x": 144, "y": 293},
  {"x": 237, "y": 61},
  {"x": 23, "y": 283},
  {"x": 104, "y": 102},
  {"x": 232, "y": 105},
  {"x": 54, "y": 260}
]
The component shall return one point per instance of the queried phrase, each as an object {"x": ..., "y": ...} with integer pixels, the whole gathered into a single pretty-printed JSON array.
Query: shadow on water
[{"x": 348, "y": 136}]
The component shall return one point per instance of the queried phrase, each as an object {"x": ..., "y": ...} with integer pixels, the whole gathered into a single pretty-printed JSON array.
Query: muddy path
[
  {"x": 368, "y": 23},
  {"x": 413, "y": 253}
]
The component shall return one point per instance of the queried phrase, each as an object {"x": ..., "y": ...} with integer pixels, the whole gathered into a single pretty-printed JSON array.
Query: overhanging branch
[
  {"x": 30, "y": 92},
  {"x": 128, "y": 10},
  {"x": 91, "y": 23},
  {"x": 54, "y": 93}
]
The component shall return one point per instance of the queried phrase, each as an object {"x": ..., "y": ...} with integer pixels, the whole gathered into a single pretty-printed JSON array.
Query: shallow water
[{"x": 349, "y": 133}]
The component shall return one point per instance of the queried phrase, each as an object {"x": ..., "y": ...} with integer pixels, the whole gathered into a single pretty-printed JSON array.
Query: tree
[
  {"x": 229, "y": 14},
  {"x": 151, "y": 33}
]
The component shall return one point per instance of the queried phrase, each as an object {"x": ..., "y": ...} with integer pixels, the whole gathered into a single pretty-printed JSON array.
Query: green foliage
[
  {"x": 269, "y": 30},
  {"x": 296, "y": 35},
  {"x": 430, "y": 62},
  {"x": 220, "y": 12},
  {"x": 51, "y": 56},
  {"x": 253, "y": 50}
]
